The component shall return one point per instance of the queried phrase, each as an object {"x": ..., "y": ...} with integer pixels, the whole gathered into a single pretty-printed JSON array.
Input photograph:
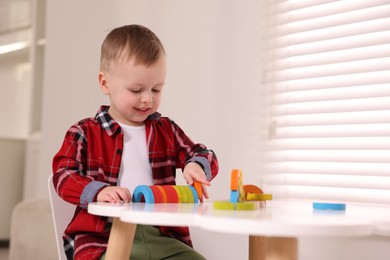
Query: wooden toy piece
[
  {"x": 199, "y": 189},
  {"x": 158, "y": 194},
  {"x": 246, "y": 205},
  {"x": 224, "y": 205},
  {"x": 235, "y": 179},
  {"x": 187, "y": 194},
  {"x": 241, "y": 194},
  {"x": 227, "y": 205},
  {"x": 234, "y": 197},
  {"x": 194, "y": 194},
  {"x": 236, "y": 186},
  {"x": 329, "y": 206},
  {"x": 171, "y": 193},
  {"x": 258, "y": 197},
  {"x": 252, "y": 188},
  {"x": 249, "y": 188},
  {"x": 179, "y": 194},
  {"x": 143, "y": 193},
  {"x": 164, "y": 194},
  {"x": 184, "y": 194},
  {"x": 191, "y": 198}
]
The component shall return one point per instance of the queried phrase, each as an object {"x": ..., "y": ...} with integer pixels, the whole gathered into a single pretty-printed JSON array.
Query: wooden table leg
[
  {"x": 273, "y": 248},
  {"x": 257, "y": 247},
  {"x": 120, "y": 241}
]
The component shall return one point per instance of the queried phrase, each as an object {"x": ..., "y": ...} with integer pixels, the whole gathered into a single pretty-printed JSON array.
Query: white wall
[
  {"x": 212, "y": 49},
  {"x": 15, "y": 76}
]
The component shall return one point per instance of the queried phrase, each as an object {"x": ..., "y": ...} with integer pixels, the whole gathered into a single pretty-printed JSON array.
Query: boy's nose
[{"x": 146, "y": 97}]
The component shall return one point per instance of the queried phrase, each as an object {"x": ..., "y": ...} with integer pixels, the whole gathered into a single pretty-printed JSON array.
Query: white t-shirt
[{"x": 135, "y": 167}]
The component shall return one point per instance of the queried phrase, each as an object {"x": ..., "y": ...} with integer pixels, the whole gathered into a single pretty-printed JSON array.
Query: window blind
[{"x": 327, "y": 74}]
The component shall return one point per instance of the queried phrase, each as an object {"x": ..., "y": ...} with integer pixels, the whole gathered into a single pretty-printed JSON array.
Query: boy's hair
[{"x": 130, "y": 41}]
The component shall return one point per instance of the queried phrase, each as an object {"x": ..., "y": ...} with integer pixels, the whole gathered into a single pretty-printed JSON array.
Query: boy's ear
[{"x": 102, "y": 78}]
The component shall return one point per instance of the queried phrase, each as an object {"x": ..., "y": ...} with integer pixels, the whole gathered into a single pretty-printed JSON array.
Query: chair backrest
[{"x": 62, "y": 213}]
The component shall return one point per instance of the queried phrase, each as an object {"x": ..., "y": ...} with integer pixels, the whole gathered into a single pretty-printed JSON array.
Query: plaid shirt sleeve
[
  {"x": 70, "y": 178},
  {"x": 88, "y": 160},
  {"x": 191, "y": 152},
  {"x": 170, "y": 148}
]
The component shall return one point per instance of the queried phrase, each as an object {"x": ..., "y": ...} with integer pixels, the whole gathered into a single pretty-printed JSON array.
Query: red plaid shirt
[{"x": 89, "y": 160}]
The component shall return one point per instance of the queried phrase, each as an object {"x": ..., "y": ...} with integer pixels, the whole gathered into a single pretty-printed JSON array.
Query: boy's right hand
[{"x": 114, "y": 194}]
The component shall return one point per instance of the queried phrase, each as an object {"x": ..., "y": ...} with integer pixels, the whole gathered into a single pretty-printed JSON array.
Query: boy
[{"x": 127, "y": 144}]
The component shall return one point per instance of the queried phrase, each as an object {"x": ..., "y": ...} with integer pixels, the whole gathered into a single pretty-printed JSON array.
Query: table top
[
  {"x": 278, "y": 218},
  {"x": 380, "y": 215}
]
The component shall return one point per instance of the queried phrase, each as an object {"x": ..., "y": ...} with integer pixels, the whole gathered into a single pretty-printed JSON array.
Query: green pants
[{"x": 150, "y": 244}]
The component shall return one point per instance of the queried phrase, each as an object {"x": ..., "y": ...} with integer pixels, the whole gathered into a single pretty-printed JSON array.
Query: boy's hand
[
  {"x": 114, "y": 194},
  {"x": 193, "y": 172}
]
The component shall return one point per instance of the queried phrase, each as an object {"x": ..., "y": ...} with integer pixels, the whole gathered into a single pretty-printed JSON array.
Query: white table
[
  {"x": 380, "y": 216},
  {"x": 272, "y": 230},
  {"x": 122, "y": 233}
]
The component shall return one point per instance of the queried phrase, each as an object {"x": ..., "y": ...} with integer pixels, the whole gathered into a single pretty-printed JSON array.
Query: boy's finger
[
  {"x": 188, "y": 179},
  {"x": 205, "y": 192},
  {"x": 124, "y": 195}
]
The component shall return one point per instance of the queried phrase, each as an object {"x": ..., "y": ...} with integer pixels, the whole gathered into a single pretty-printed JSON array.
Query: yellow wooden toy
[{"x": 242, "y": 197}]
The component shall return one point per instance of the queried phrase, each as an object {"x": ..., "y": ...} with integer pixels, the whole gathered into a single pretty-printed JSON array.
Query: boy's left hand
[{"x": 193, "y": 172}]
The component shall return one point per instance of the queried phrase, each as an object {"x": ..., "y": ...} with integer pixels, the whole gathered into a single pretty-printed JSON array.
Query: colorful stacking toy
[
  {"x": 242, "y": 197},
  {"x": 166, "y": 194}
]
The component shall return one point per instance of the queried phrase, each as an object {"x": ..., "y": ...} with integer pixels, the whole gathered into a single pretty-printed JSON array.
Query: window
[{"x": 327, "y": 71}]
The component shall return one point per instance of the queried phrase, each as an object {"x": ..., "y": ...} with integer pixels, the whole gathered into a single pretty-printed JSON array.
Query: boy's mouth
[{"x": 143, "y": 109}]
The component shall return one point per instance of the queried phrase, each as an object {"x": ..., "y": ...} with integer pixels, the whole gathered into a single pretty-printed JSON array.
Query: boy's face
[{"x": 134, "y": 90}]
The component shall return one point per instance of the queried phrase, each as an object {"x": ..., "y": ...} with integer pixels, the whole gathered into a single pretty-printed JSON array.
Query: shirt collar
[
  {"x": 106, "y": 121},
  {"x": 154, "y": 116}
]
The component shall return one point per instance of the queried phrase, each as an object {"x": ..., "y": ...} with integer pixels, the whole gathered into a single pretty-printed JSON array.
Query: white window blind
[{"x": 327, "y": 72}]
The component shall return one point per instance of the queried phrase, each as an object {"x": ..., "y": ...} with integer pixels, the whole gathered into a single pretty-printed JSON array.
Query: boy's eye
[
  {"x": 156, "y": 90},
  {"x": 135, "y": 91}
]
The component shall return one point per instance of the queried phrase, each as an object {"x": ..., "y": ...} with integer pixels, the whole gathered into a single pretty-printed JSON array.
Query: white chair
[
  {"x": 29, "y": 218},
  {"x": 62, "y": 213}
]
